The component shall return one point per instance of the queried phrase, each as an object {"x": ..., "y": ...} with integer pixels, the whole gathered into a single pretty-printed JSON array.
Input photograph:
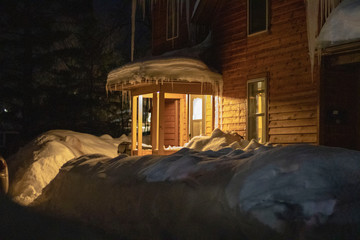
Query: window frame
[
  {"x": 266, "y": 18},
  {"x": 176, "y": 31},
  {"x": 263, "y": 78}
]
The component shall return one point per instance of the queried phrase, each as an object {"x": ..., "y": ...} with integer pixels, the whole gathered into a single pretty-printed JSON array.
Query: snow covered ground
[
  {"x": 226, "y": 190},
  {"x": 37, "y": 163},
  {"x": 19, "y": 223}
]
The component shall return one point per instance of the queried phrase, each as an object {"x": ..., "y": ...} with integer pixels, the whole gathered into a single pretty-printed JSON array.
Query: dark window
[
  {"x": 172, "y": 26},
  {"x": 257, "y": 16}
]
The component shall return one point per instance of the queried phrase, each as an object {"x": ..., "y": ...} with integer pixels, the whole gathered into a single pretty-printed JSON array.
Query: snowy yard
[{"x": 216, "y": 188}]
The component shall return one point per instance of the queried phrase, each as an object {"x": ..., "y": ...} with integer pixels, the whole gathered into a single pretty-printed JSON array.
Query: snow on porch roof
[
  {"x": 342, "y": 26},
  {"x": 160, "y": 70}
]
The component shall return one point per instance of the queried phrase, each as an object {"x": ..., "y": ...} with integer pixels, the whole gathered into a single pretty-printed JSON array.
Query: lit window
[
  {"x": 197, "y": 109},
  {"x": 257, "y": 109},
  {"x": 172, "y": 26},
  {"x": 257, "y": 16}
]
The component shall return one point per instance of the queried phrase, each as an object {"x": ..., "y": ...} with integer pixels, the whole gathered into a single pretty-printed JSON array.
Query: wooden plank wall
[
  {"x": 282, "y": 53},
  {"x": 208, "y": 116},
  {"x": 171, "y": 129},
  {"x": 159, "y": 42}
]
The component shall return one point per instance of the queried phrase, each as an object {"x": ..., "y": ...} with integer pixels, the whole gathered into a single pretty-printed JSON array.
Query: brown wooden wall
[
  {"x": 171, "y": 129},
  {"x": 159, "y": 42},
  {"x": 209, "y": 127},
  {"x": 282, "y": 54},
  {"x": 340, "y": 104}
]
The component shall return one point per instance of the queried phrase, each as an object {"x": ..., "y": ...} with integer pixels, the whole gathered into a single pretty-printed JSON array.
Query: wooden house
[{"x": 268, "y": 84}]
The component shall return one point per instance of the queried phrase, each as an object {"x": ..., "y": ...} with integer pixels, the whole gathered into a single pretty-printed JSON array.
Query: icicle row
[{"x": 313, "y": 27}]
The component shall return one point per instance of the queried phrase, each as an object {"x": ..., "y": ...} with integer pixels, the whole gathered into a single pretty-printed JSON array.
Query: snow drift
[
  {"x": 36, "y": 164},
  {"x": 286, "y": 192},
  {"x": 18, "y": 223},
  {"x": 217, "y": 141},
  {"x": 342, "y": 26}
]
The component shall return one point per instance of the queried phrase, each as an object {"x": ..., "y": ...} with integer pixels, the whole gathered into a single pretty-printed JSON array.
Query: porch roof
[
  {"x": 163, "y": 70},
  {"x": 342, "y": 26}
]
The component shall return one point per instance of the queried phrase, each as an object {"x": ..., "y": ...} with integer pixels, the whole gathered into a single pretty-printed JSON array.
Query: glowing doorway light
[{"x": 197, "y": 109}]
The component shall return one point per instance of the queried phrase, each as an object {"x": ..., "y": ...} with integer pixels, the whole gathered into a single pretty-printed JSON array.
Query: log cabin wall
[
  {"x": 172, "y": 117},
  {"x": 209, "y": 125},
  {"x": 159, "y": 42},
  {"x": 281, "y": 54}
]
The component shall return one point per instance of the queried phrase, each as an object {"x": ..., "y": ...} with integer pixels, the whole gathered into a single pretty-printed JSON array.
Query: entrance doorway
[
  {"x": 172, "y": 122},
  {"x": 340, "y": 104}
]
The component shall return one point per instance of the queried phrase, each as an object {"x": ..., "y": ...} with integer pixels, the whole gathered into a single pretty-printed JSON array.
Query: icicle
[
  {"x": 133, "y": 15},
  {"x": 143, "y": 6},
  {"x": 181, "y": 7},
  {"x": 312, "y": 29},
  {"x": 188, "y": 15},
  {"x": 321, "y": 13},
  {"x": 173, "y": 13}
]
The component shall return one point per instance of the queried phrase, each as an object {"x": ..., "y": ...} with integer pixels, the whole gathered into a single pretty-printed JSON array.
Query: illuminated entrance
[
  {"x": 172, "y": 100},
  {"x": 174, "y": 118}
]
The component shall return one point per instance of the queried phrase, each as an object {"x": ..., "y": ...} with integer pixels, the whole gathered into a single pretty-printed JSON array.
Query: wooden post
[
  {"x": 161, "y": 122},
  {"x": 212, "y": 113},
  {"x": 182, "y": 113},
  {"x": 140, "y": 114},
  {"x": 187, "y": 122},
  {"x": 203, "y": 122},
  {"x": 154, "y": 123},
  {"x": 177, "y": 122},
  {"x": 133, "y": 123}
]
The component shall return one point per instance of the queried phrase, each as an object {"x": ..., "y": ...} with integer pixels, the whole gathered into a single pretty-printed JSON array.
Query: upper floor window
[
  {"x": 172, "y": 19},
  {"x": 258, "y": 16},
  {"x": 257, "y": 109}
]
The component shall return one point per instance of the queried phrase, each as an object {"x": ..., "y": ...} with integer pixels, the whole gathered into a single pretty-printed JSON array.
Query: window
[
  {"x": 197, "y": 109},
  {"x": 257, "y": 109},
  {"x": 172, "y": 20},
  {"x": 257, "y": 16}
]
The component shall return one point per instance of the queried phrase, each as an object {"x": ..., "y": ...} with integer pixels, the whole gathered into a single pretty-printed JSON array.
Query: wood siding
[
  {"x": 281, "y": 54},
  {"x": 159, "y": 42},
  {"x": 171, "y": 129},
  {"x": 209, "y": 125},
  {"x": 340, "y": 104}
]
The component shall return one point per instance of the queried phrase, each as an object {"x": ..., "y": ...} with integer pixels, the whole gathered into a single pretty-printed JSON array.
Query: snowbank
[
  {"x": 217, "y": 141},
  {"x": 291, "y": 192},
  {"x": 36, "y": 164},
  {"x": 343, "y": 25},
  {"x": 18, "y": 222},
  {"x": 298, "y": 186}
]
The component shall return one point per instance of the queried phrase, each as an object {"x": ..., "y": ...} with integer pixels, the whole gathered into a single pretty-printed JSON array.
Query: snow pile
[
  {"x": 217, "y": 141},
  {"x": 36, "y": 164},
  {"x": 337, "y": 20},
  {"x": 302, "y": 186},
  {"x": 343, "y": 25},
  {"x": 291, "y": 191},
  {"x": 18, "y": 222}
]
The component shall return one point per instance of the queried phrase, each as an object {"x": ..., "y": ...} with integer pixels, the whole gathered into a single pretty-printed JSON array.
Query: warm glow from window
[
  {"x": 257, "y": 110},
  {"x": 197, "y": 109}
]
